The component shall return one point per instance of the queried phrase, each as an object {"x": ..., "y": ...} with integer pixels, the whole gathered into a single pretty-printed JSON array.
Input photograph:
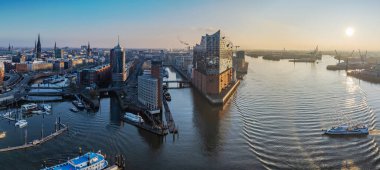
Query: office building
[
  {"x": 148, "y": 93},
  {"x": 117, "y": 57}
]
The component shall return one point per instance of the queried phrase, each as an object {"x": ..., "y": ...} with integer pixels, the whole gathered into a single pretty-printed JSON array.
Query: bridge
[{"x": 179, "y": 84}]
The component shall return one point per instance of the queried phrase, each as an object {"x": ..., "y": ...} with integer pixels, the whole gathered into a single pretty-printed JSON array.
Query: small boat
[
  {"x": 46, "y": 107},
  {"x": 28, "y": 107},
  {"x": 88, "y": 161},
  {"x": 3, "y": 134},
  {"x": 78, "y": 104},
  {"x": 8, "y": 114},
  {"x": 346, "y": 129},
  {"x": 134, "y": 118},
  {"x": 21, "y": 123},
  {"x": 74, "y": 109},
  {"x": 167, "y": 96},
  {"x": 37, "y": 112}
]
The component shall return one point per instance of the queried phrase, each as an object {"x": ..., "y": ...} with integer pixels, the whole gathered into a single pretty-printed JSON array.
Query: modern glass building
[
  {"x": 118, "y": 65},
  {"x": 212, "y": 63}
]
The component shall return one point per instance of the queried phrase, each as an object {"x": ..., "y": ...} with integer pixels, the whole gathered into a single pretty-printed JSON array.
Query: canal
[{"x": 273, "y": 121}]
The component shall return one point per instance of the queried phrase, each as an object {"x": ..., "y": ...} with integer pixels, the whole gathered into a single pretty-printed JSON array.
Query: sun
[{"x": 350, "y": 31}]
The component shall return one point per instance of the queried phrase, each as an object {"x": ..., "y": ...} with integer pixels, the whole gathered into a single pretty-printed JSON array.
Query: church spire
[
  {"x": 9, "y": 47},
  {"x": 38, "y": 47},
  {"x": 88, "y": 49},
  {"x": 55, "y": 46}
]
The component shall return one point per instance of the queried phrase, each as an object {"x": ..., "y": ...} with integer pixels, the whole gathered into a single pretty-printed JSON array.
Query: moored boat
[
  {"x": 88, "y": 161},
  {"x": 46, "y": 107},
  {"x": 28, "y": 107},
  {"x": 134, "y": 118},
  {"x": 74, "y": 109},
  {"x": 78, "y": 104},
  {"x": 21, "y": 123},
  {"x": 167, "y": 96}
]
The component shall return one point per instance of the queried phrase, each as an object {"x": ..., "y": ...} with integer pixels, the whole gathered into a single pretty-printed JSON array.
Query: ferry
[
  {"x": 134, "y": 118},
  {"x": 28, "y": 107},
  {"x": 78, "y": 104},
  {"x": 21, "y": 123},
  {"x": 88, "y": 161},
  {"x": 346, "y": 129}
]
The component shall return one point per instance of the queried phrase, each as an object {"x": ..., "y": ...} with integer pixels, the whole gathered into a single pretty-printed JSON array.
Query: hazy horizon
[{"x": 277, "y": 24}]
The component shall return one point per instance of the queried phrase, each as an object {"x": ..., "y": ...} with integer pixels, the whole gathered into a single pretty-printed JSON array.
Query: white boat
[
  {"x": 28, "y": 107},
  {"x": 134, "y": 118},
  {"x": 74, "y": 109},
  {"x": 46, "y": 107},
  {"x": 8, "y": 114},
  {"x": 21, "y": 123},
  {"x": 37, "y": 112}
]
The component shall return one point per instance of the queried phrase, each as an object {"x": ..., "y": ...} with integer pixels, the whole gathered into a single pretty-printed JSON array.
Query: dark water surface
[{"x": 273, "y": 121}]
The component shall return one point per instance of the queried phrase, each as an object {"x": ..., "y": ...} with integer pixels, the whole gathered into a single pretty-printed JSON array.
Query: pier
[
  {"x": 149, "y": 128},
  {"x": 37, "y": 141},
  {"x": 169, "y": 118}
]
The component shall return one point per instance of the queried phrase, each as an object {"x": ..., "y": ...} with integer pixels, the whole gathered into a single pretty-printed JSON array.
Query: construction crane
[
  {"x": 184, "y": 43},
  {"x": 363, "y": 57},
  {"x": 337, "y": 55}
]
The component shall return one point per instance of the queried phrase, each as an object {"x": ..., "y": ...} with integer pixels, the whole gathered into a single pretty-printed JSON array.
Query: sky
[{"x": 250, "y": 24}]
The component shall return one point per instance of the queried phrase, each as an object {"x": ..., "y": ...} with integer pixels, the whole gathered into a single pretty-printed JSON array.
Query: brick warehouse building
[{"x": 212, "y": 63}]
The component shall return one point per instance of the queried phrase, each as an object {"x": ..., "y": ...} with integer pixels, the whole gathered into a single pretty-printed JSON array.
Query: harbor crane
[
  {"x": 338, "y": 56},
  {"x": 363, "y": 57}
]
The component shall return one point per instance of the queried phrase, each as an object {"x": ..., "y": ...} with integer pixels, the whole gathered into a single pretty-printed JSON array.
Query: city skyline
[{"x": 150, "y": 24}]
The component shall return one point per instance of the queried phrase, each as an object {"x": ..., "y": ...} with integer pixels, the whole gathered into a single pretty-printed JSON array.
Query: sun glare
[{"x": 350, "y": 31}]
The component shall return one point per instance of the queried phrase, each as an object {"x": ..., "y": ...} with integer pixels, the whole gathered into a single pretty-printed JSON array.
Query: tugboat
[
  {"x": 88, "y": 161},
  {"x": 346, "y": 129}
]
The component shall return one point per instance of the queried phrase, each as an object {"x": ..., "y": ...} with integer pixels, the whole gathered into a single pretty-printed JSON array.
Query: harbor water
[{"x": 273, "y": 121}]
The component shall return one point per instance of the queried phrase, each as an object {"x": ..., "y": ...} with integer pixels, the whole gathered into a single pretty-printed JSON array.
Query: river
[{"x": 273, "y": 121}]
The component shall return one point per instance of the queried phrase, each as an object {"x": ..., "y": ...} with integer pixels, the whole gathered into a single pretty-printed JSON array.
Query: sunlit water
[{"x": 274, "y": 121}]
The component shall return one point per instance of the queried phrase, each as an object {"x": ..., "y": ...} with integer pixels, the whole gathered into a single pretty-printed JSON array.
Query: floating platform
[
  {"x": 145, "y": 126},
  {"x": 37, "y": 141}
]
